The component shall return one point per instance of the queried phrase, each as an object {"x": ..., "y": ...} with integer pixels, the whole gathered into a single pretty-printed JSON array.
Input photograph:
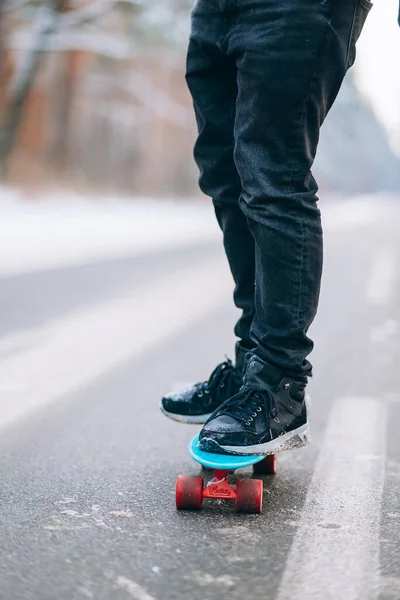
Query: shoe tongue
[{"x": 261, "y": 374}]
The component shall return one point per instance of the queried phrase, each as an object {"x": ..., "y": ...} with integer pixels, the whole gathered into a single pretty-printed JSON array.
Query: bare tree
[
  {"x": 57, "y": 28},
  {"x": 45, "y": 23},
  {"x": 2, "y": 61},
  {"x": 51, "y": 16}
]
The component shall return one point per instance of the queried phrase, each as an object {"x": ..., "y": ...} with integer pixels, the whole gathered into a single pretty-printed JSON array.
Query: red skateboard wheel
[
  {"x": 189, "y": 492},
  {"x": 267, "y": 466},
  {"x": 249, "y": 494}
]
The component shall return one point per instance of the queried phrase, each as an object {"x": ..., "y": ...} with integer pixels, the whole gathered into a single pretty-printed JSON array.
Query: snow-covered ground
[
  {"x": 67, "y": 229},
  {"x": 64, "y": 228}
]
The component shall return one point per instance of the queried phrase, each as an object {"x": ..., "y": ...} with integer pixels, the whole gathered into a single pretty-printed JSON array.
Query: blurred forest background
[{"x": 92, "y": 95}]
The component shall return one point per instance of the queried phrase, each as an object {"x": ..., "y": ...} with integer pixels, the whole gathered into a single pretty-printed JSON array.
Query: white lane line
[
  {"x": 66, "y": 353},
  {"x": 335, "y": 553},
  {"x": 132, "y": 588},
  {"x": 382, "y": 278}
]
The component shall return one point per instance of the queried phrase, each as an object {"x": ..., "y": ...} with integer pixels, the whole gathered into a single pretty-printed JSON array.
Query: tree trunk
[
  {"x": 62, "y": 99},
  {"x": 45, "y": 24}
]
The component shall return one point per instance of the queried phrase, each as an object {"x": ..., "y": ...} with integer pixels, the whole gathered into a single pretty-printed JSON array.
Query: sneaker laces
[
  {"x": 224, "y": 375},
  {"x": 248, "y": 403}
]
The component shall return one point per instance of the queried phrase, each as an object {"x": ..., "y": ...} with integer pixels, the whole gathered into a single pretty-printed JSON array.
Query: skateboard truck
[
  {"x": 219, "y": 487},
  {"x": 247, "y": 493}
]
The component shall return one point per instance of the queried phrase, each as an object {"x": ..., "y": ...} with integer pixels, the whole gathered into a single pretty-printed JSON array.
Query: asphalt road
[{"x": 88, "y": 462}]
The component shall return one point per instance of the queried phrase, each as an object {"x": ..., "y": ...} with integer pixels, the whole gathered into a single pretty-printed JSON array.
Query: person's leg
[
  {"x": 211, "y": 77},
  {"x": 291, "y": 57},
  {"x": 212, "y": 80}
]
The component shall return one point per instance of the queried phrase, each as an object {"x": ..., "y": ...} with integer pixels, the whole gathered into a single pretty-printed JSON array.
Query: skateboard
[{"x": 247, "y": 493}]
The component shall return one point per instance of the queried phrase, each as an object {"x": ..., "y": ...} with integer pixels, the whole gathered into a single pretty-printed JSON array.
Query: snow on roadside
[
  {"x": 67, "y": 229},
  {"x": 63, "y": 228}
]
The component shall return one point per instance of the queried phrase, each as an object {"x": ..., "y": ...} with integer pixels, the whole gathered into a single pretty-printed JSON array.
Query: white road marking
[
  {"x": 69, "y": 352},
  {"x": 382, "y": 278},
  {"x": 335, "y": 553},
  {"x": 132, "y": 588}
]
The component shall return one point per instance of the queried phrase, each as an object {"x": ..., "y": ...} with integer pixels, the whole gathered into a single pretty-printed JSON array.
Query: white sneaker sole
[
  {"x": 194, "y": 420},
  {"x": 298, "y": 438}
]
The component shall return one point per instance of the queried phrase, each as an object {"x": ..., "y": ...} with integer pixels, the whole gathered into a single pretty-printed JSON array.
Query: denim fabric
[{"x": 263, "y": 75}]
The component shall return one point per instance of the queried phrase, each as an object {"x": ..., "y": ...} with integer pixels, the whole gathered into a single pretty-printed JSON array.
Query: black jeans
[{"x": 263, "y": 75}]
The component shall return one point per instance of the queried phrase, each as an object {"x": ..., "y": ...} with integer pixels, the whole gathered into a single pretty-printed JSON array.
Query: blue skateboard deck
[
  {"x": 246, "y": 493},
  {"x": 223, "y": 462}
]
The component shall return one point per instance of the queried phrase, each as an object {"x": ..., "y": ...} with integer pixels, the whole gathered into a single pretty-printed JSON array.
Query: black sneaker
[
  {"x": 196, "y": 403},
  {"x": 268, "y": 415}
]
